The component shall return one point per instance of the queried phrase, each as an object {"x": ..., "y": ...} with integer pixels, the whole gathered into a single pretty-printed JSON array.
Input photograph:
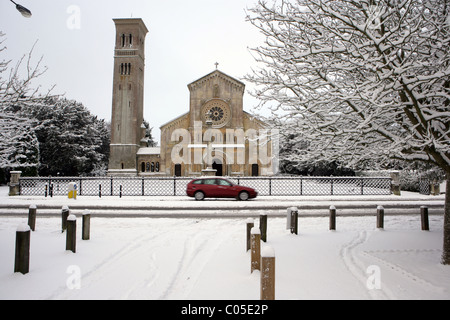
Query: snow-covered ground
[{"x": 164, "y": 258}]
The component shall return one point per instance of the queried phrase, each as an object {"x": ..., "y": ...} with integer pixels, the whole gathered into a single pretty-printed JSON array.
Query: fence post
[
  {"x": 22, "y": 257},
  {"x": 71, "y": 235},
  {"x": 64, "y": 214},
  {"x": 424, "y": 218},
  {"x": 263, "y": 226},
  {"x": 86, "y": 232},
  {"x": 267, "y": 274},
  {"x": 250, "y": 225},
  {"x": 380, "y": 217},
  {"x": 332, "y": 218},
  {"x": 255, "y": 249},
  {"x": 32, "y": 217}
]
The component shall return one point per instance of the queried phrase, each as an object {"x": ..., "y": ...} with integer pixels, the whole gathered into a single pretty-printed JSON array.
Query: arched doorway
[
  {"x": 255, "y": 170},
  {"x": 217, "y": 165},
  {"x": 177, "y": 171}
]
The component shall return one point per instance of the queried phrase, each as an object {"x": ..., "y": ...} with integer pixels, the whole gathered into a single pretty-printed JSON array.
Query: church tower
[{"x": 128, "y": 96}]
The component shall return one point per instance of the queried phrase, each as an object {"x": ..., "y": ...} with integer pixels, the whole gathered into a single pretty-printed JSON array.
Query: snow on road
[{"x": 206, "y": 259}]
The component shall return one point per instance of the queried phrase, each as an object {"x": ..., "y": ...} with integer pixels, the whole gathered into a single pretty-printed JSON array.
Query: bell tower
[{"x": 128, "y": 96}]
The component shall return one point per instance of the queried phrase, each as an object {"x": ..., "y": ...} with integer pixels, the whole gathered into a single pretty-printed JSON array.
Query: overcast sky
[{"x": 185, "y": 39}]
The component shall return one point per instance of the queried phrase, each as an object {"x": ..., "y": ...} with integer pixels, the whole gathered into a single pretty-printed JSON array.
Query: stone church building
[{"x": 215, "y": 136}]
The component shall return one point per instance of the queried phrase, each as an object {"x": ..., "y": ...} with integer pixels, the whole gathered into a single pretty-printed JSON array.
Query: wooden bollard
[
  {"x": 267, "y": 274},
  {"x": 86, "y": 232},
  {"x": 255, "y": 249},
  {"x": 263, "y": 226},
  {"x": 64, "y": 215},
  {"x": 71, "y": 235},
  {"x": 332, "y": 218},
  {"x": 424, "y": 218},
  {"x": 22, "y": 257},
  {"x": 380, "y": 217},
  {"x": 32, "y": 217},
  {"x": 294, "y": 221},
  {"x": 250, "y": 225}
]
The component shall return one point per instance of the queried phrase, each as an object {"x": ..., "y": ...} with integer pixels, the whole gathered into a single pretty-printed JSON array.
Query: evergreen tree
[{"x": 72, "y": 141}]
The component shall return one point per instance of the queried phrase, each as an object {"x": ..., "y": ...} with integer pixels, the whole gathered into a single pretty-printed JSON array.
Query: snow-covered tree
[
  {"x": 44, "y": 132},
  {"x": 19, "y": 147},
  {"x": 148, "y": 135},
  {"x": 72, "y": 141},
  {"x": 363, "y": 81}
]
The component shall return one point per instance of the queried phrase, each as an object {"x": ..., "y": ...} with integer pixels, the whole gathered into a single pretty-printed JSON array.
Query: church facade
[{"x": 214, "y": 137}]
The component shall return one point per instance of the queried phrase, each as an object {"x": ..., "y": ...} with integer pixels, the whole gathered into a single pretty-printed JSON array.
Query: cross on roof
[{"x": 217, "y": 65}]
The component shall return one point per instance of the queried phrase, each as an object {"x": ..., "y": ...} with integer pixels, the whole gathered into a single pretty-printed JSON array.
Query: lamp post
[{"x": 24, "y": 11}]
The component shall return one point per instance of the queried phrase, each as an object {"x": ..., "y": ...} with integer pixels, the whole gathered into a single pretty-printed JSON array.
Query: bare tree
[{"x": 363, "y": 81}]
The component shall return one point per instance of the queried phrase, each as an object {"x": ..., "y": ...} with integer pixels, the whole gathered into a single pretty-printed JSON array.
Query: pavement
[{"x": 183, "y": 207}]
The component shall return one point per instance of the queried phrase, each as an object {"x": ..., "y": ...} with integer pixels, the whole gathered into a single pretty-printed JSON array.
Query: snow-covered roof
[{"x": 149, "y": 151}]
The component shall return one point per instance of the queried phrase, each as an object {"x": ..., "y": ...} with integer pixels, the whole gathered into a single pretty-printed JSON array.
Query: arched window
[
  {"x": 153, "y": 167},
  {"x": 131, "y": 39},
  {"x": 125, "y": 69},
  {"x": 157, "y": 167},
  {"x": 143, "y": 167},
  {"x": 148, "y": 167},
  {"x": 122, "y": 39}
]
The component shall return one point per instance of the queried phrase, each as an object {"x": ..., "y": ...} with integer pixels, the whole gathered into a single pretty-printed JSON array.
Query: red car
[{"x": 202, "y": 188}]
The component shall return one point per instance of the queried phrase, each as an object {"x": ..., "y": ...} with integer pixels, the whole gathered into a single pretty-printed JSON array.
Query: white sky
[{"x": 185, "y": 39}]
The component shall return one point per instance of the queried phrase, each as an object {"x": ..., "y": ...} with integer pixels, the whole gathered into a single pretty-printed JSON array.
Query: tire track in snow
[
  {"x": 358, "y": 269},
  {"x": 414, "y": 278},
  {"x": 110, "y": 264},
  {"x": 199, "y": 246}
]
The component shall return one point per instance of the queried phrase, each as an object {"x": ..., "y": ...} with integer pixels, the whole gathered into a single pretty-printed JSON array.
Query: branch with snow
[{"x": 356, "y": 90}]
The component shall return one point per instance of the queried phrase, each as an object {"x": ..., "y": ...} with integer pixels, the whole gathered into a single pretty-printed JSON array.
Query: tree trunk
[{"x": 446, "y": 250}]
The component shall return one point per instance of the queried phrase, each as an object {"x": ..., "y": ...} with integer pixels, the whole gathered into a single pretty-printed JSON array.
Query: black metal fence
[
  {"x": 424, "y": 187},
  {"x": 176, "y": 186}
]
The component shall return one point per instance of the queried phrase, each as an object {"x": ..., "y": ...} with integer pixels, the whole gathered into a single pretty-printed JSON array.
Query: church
[{"x": 214, "y": 137}]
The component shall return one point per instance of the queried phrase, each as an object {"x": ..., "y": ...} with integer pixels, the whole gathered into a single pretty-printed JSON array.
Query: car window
[
  {"x": 197, "y": 182},
  {"x": 209, "y": 181},
  {"x": 222, "y": 182}
]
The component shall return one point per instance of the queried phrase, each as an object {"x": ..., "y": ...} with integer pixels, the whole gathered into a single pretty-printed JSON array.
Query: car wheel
[
  {"x": 199, "y": 196},
  {"x": 243, "y": 196}
]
